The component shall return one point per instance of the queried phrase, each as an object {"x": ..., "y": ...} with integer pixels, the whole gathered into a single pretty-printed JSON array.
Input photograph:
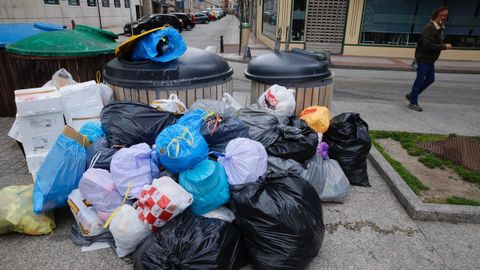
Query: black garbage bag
[
  {"x": 280, "y": 217},
  {"x": 262, "y": 124},
  {"x": 104, "y": 152},
  {"x": 192, "y": 242},
  {"x": 219, "y": 130},
  {"x": 349, "y": 144},
  {"x": 130, "y": 123},
  {"x": 298, "y": 142}
]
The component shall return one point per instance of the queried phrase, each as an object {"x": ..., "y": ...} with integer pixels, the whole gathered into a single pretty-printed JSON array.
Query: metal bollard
[
  {"x": 247, "y": 55},
  {"x": 221, "y": 44}
]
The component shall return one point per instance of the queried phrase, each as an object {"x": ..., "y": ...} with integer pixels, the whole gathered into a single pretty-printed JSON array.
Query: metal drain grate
[{"x": 461, "y": 150}]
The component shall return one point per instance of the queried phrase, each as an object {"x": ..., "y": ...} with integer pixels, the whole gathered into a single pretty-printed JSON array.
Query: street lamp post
[{"x": 99, "y": 15}]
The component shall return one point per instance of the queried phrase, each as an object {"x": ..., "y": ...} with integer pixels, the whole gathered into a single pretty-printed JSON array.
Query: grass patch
[
  {"x": 409, "y": 142},
  {"x": 416, "y": 185},
  {"x": 462, "y": 201}
]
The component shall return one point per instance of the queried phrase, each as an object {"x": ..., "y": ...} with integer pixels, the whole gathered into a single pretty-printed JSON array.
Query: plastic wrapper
[
  {"x": 130, "y": 123},
  {"x": 281, "y": 221},
  {"x": 173, "y": 104},
  {"x": 349, "y": 144}
]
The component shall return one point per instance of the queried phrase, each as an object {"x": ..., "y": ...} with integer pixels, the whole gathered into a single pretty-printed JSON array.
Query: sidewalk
[{"x": 257, "y": 48}]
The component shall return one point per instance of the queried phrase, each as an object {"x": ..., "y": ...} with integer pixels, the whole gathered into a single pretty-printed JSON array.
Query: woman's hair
[{"x": 437, "y": 11}]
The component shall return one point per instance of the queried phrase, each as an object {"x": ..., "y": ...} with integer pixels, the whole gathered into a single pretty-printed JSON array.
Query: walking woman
[{"x": 427, "y": 52}]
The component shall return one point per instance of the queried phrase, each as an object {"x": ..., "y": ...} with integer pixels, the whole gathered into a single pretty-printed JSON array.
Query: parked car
[
  {"x": 153, "y": 21},
  {"x": 211, "y": 17},
  {"x": 187, "y": 22},
  {"x": 201, "y": 18}
]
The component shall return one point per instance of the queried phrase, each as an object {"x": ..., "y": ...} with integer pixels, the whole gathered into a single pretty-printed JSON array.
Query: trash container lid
[
  {"x": 194, "y": 66},
  {"x": 82, "y": 41},
  {"x": 13, "y": 32},
  {"x": 295, "y": 66}
]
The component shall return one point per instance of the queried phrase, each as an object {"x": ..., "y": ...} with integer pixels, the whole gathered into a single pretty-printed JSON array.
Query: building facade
[
  {"x": 366, "y": 27},
  {"x": 109, "y": 13}
]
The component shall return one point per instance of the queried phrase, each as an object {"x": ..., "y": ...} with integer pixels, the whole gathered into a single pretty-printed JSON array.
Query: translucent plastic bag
[
  {"x": 16, "y": 214},
  {"x": 160, "y": 46},
  {"x": 336, "y": 184},
  {"x": 208, "y": 184},
  {"x": 97, "y": 186},
  {"x": 173, "y": 104},
  {"x": 278, "y": 100},
  {"x": 60, "y": 172},
  {"x": 227, "y": 98},
  {"x": 161, "y": 201},
  {"x": 244, "y": 161},
  {"x": 132, "y": 166},
  {"x": 127, "y": 230},
  {"x": 85, "y": 215},
  {"x": 106, "y": 93},
  {"x": 60, "y": 79},
  {"x": 215, "y": 106},
  {"x": 180, "y": 149}
]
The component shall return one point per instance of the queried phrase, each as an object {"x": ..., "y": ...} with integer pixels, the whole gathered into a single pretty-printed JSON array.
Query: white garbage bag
[
  {"x": 60, "y": 79},
  {"x": 278, "y": 100},
  {"x": 161, "y": 201},
  {"x": 173, "y": 104},
  {"x": 128, "y": 230},
  {"x": 106, "y": 93}
]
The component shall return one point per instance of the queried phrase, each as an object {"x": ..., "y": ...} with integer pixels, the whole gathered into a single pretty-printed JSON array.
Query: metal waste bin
[
  {"x": 197, "y": 74},
  {"x": 83, "y": 51},
  {"x": 10, "y": 33},
  {"x": 306, "y": 72},
  {"x": 245, "y": 34}
]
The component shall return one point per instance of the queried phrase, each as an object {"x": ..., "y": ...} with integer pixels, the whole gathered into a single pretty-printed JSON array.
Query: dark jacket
[{"x": 430, "y": 44}]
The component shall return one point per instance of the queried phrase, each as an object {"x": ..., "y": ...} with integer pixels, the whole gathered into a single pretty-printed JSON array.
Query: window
[
  {"x": 92, "y": 3},
  {"x": 105, "y": 3},
  {"x": 127, "y": 3},
  {"x": 299, "y": 9},
  {"x": 51, "y": 2},
  {"x": 116, "y": 3},
  {"x": 269, "y": 18},
  {"x": 399, "y": 23},
  {"x": 74, "y": 2}
]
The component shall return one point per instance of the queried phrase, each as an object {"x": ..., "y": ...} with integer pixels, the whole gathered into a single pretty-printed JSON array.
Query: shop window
[
  {"x": 51, "y": 2},
  {"x": 105, "y": 3},
  {"x": 399, "y": 23},
  {"x": 269, "y": 17},
  {"x": 92, "y": 3},
  {"x": 127, "y": 3},
  {"x": 116, "y": 3},
  {"x": 299, "y": 9},
  {"x": 74, "y": 2}
]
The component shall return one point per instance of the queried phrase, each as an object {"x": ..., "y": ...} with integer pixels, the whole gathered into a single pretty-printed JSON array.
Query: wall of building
[
  {"x": 352, "y": 37},
  {"x": 36, "y": 10}
]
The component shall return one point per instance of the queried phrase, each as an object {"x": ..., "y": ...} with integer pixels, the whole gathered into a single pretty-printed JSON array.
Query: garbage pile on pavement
[{"x": 212, "y": 186}]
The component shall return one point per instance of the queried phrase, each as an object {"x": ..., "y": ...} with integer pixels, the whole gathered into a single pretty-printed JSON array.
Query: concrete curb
[
  {"x": 239, "y": 59},
  {"x": 415, "y": 208}
]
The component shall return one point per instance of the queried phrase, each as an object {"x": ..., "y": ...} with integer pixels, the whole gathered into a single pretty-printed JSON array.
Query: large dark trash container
[
  {"x": 83, "y": 51},
  {"x": 306, "y": 72},
  {"x": 10, "y": 33},
  {"x": 197, "y": 74}
]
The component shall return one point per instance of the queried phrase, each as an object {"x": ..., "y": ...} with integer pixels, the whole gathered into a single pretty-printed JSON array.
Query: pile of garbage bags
[{"x": 213, "y": 186}]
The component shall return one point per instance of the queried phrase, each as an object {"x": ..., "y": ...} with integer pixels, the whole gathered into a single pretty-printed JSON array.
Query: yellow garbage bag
[
  {"x": 317, "y": 118},
  {"x": 16, "y": 212}
]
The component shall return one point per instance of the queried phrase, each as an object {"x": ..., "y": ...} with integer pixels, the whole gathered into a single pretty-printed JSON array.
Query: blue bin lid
[{"x": 13, "y": 32}]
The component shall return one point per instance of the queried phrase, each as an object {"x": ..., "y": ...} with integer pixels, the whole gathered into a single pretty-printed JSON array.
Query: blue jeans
[{"x": 425, "y": 77}]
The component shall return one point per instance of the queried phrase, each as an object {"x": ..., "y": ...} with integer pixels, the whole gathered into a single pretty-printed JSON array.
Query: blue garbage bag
[
  {"x": 208, "y": 183},
  {"x": 59, "y": 174},
  {"x": 180, "y": 148},
  {"x": 193, "y": 119},
  {"x": 93, "y": 131},
  {"x": 160, "y": 46}
]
